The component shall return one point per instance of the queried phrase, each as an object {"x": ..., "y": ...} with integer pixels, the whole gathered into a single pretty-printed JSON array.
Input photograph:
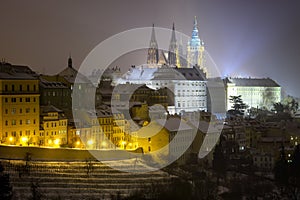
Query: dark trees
[
  {"x": 5, "y": 188},
  {"x": 238, "y": 105}
]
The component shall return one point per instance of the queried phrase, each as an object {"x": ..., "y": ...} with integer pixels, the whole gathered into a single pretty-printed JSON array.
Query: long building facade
[{"x": 255, "y": 92}]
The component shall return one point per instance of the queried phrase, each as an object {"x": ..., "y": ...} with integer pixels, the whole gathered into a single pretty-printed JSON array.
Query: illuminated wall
[
  {"x": 254, "y": 95},
  {"x": 19, "y": 110}
]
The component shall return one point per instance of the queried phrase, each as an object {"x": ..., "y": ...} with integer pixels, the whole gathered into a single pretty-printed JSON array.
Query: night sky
[{"x": 245, "y": 38}]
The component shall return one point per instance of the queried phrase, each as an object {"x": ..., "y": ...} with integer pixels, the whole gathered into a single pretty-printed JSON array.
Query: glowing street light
[
  {"x": 123, "y": 144},
  {"x": 24, "y": 139},
  {"x": 90, "y": 142},
  {"x": 57, "y": 142}
]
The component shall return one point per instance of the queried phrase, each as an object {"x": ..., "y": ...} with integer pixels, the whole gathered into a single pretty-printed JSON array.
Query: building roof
[
  {"x": 192, "y": 73},
  {"x": 127, "y": 88},
  {"x": 50, "y": 108},
  {"x": 165, "y": 72},
  {"x": 70, "y": 74},
  {"x": 252, "y": 82},
  {"x": 16, "y": 72},
  {"x": 174, "y": 124},
  {"x": 51, "y": 84}
]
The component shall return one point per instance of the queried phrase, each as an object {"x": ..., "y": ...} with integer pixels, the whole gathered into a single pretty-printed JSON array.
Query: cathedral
[
  {"x": 184, "y": 76},
  {"x": 174, "y": 57}
]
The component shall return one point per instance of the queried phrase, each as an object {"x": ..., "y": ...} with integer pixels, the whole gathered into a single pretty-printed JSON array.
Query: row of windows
[
  {"x": 14, "y": 133},
  {"x": 193, "y": 103},
  {"x": 56, "y": 133},
  {"x": 20, "y": 88},
  {"x": 14, "y": 122},
  {"x": 185, "y": 84},
  {"x": 14, "y": 110},
  {"x": 53, "y": 93},
  {"x": 193, "y": 84},
  {"x": 15, "y": 100},
  {"x": 263, "y": 159},
  {"x": 53, "y": 124}
]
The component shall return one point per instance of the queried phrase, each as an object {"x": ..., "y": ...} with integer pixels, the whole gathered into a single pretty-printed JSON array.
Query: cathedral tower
[
  {"x": 152, "y": 57},
  {"x": 195, "y": 49},
  {"x": 173, "y": 54}
]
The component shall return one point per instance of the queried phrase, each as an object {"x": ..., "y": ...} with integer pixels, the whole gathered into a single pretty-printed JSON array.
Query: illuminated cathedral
[{"x": 175, "y": 57}]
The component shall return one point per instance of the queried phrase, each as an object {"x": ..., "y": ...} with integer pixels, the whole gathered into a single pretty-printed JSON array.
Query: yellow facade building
[
  {"x": 54, "y": 126},
  {"x": 19, "y": 105}
]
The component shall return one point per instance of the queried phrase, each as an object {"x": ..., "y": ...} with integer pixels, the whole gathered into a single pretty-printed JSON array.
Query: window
[
  {"x": 27, "y": 99},
  {"x": 149, "y": 139},
  {"x": 13, "y": 111},
  {"x": 20, "y": 88},
  {"x": 13, "y": 122},
  {"x": 20, "y": 122},
  {"x": 34, "y": 87},
  {"x": 13, "y": 133},
  {"x": 12, "y": 87},
  {"x": 6, "y": 123},
  {"x": 27, "y": 121},
  {"x": 34, "y": 121},
  {"x": 34, "y": 99},
  {"x": 34, "y": 110},
  {"x": 149, "y": 148},
  {"x": 27, "y": 110},
  {"x": 6, "y": 100},
  {"x": 6, "y": 111},
  {"x": 21, "y": 99},
  {"x": 20, "y": 133},
  {"x": 13, "y": 100},
  {"x": 28, "y": 88},
  {"x": 5, "y": 88},
  {"x": 21, "y": 110}
]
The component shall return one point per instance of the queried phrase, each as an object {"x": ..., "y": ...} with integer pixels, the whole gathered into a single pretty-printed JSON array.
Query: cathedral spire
[
  {"x": 173, "y": 49},
  {"x": 152, "y": 57},
  {"x": 153, "y": 38},
  {"x": 195, "y": 49},
  {"x": 173, "y": 37},
  {"x": 195, "y": 35},
  {"x": 70, "y": 63}
]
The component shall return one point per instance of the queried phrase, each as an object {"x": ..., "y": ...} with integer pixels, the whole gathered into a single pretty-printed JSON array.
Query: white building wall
[
  {"x": 256, "y": 97},
  {"x": 189, "y": 95}
]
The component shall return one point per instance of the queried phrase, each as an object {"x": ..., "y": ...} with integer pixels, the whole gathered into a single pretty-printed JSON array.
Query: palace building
[{"x": 255, "y": 92}]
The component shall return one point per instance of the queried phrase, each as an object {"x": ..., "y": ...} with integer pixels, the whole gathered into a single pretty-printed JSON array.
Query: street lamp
[{"x": 11, "y": 139}]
